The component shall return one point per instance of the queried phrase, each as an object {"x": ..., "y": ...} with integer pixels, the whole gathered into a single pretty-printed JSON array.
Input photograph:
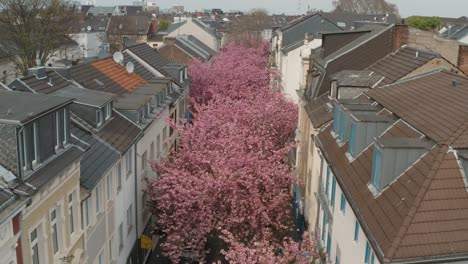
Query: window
[
  {"x": 128, "y": 162},
  {"x": 332, "y": 198},
  {"x": 158, "y": 147},
  {"x": 98, "y": 198},
  {"x": 328, "y": 244},
  {"x": 327, "y": 181},
  {"x": 108, "y": 111},
  {"x": 343, "y": 203},
  {"x": 356, "y": 231},
  {"x": 372, "y": 258},
  {"x": 36, "y": 143},
  {"x": 144, "y": 162},
  {"x": 58, "y": 132},
  {"x": 35, "y": 247},
  {"x": 110, "y": 248},
  {"x": 186, "y": 73},
  {"x": 109, "y": 186},
  {"x": 66, "y": 127},
  {"x": 152, "y": 151},
  {"x": 164, "y": 139},
  {"x": 352, "y": 140},
  {"x": 70, "y": 212},
  {"x": 129, "y": 219},
  {"x": 337, "y": 260},
  {"x": 181, "y": 76},
  {"x": 336, "y": 115},
  {"x": 99, "y": 118},
  {"x": 367, "y": 254},
  {"x": 101, "y": 257},
  {"x": 324, "y": 226},
  {"x": 121, "y": 240},
  {"x": 119, "y": 176},
  {"x": 89, "y": 211},
  {"x": 376, "y": 168},
  {"x": 53, "y": 225},
  {"x": 342, "y": 126}
]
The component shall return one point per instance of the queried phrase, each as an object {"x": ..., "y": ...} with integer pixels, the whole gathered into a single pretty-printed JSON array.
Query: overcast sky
[{"x": 448, "y": 8}]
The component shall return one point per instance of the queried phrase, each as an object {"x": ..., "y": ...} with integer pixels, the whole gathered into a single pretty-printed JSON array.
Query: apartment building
[
  {"x": 41, "y": 164},
  {"x": 393, "y": 175}
]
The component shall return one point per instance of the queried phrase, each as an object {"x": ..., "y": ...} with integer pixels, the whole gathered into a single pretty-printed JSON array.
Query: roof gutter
[{"x": 357, "y": 213}]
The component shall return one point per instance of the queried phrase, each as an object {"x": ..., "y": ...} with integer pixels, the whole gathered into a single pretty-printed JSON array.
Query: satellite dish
[
  {"x": 130, "y": 67},
  {"x": 118, "y": 57},
  {"x": 88, "y": 28}
]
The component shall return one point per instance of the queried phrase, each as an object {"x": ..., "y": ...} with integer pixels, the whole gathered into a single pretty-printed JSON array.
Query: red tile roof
[{"x": 118, "y": 74}]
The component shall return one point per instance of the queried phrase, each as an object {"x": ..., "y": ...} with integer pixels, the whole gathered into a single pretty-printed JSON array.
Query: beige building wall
[{"x": 38, "y": 216}]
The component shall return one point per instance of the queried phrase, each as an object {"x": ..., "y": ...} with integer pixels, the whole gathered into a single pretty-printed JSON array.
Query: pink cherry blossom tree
[{"x": 229, "y": 180}]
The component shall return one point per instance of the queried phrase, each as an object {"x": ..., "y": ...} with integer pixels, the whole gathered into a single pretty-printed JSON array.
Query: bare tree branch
[{"x": 34, "y": 29}]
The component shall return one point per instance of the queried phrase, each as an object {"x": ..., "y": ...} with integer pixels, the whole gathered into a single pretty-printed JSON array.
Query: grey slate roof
[
  {"x": 139, "y": 69},
  {"x": 347, "y": 21},
  {"x": 149, "y": 55},
  {"x": 46, "y": 173},
  {"x": 95, "y": 24},
  {"x": 119, "y": 132},
  {"x": 86, "y": 96},
  {"x": 194, "y": 47},
  {"x": 42, "y": 85},
  {"x": 22, "y": 107},
  {"x": 132, "y": 101},
  {"x": 129, "y": 25},
  {"x": 97, "y": 159},
  {"x": 172, "y": 27},
  {"x": 357, "y": 78},
  {"x": 312, "y": 25},
  {"x": 6, "y": 199}
]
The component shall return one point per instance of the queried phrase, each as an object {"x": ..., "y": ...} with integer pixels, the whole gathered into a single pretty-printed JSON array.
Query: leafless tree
[
  {"x": 365, "y": 7},
  {"x": 127, "y": 29},
  {"x": 33, "y": 30},
  {"x": 250, "y": 26}
]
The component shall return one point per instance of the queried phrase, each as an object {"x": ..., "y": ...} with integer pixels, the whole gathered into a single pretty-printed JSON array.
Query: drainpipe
[{"x": 136, "y": 204}]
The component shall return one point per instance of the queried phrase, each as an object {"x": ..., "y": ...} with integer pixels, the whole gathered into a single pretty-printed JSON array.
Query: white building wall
[
  {"x": 8, "y": 242},
  {"x": 291, "y": 69},
  {"x": 89, "y": 43},
  {"x": 342, "y": 228}
]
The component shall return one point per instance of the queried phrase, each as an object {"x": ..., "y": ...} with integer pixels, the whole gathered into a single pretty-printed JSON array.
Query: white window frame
[
  {"x": 110, "y": 188},
  {"x": 98, "y": 198},
  {"x": 71, "y": 213},
  {"x": 121, "y": 238},
  {"x": 129, "y": 219},
  {"x": 35, "y": 244},
  {"x": 144, "y": 161},
  {"x": 128, "y": 162},
  {"x": 99, "y": 118},
  {"x": 89, "y": 211},
  {"x": 36, "y": 143},
  {"x": 108, "y": 111},
  {"x": 118, "y": 172},
  {"x": 58, "y": 140},
  {"x": 66, "y": 127},
  {"x": 54, "y": 232},
  {"x": 151, "y": 151}
]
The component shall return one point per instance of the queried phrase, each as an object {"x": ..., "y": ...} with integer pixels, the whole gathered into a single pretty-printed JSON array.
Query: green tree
[
  {"x": 163, "y": 25},
  {"x": 424, "y": 23}
]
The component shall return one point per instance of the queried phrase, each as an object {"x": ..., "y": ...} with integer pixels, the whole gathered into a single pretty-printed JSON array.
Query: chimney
[
  {"x": 400, "y": 36},
  {"x": 462, "y": 62},
  {"x": 39, "y": 71}
]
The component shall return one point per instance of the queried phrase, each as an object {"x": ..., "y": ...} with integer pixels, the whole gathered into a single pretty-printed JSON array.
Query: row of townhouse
[
  {"x": 75, "y": 146},
  {"x": 381, "y": 138}
]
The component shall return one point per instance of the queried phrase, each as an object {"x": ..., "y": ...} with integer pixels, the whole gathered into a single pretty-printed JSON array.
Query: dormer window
[
  {"x": 43, "y": 138},
  {"x": 186, "y": 72},
  {"x": 376, "y": 168},
  {"x": 181, "y": 74}
]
